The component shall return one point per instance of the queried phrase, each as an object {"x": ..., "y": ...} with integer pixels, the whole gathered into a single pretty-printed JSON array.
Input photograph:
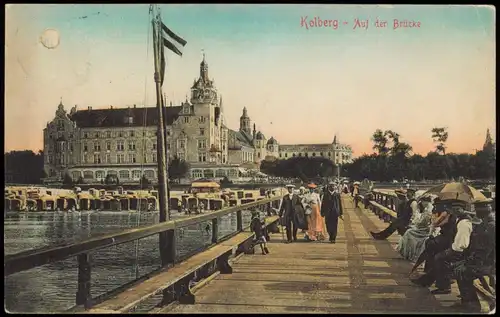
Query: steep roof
[
  {"x": 116, "y": 117},
  {"x": 242, "y": 138},
  {"x": 272, "y": 140}
]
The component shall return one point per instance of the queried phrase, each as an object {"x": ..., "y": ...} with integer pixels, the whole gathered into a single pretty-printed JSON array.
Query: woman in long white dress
[
  {"x": 312, "y": 203},
  {"x": 412, "y": 243}
]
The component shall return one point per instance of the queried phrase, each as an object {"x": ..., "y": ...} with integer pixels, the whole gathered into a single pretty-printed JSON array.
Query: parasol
[{"x": 457, "y": 191}]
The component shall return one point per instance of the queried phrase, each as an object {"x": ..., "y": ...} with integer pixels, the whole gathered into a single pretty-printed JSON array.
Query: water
[{"x": 52, "y": 287}]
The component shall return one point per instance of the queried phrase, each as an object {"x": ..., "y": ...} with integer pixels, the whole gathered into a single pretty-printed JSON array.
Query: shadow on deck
[{"x": 355, "y": 275}]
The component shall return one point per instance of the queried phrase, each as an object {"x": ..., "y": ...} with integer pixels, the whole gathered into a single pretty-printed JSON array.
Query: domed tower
[
  {"x": 245, "y": 122},
  {"x": 203, "y": 90},
  {"x": 260, "y": 146},
  {"x": 272, "y": 147},
  {"x": 259, "y": 139}
]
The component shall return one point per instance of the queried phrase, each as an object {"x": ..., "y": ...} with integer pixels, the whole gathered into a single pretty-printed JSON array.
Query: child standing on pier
[{"x": 258, "y": 226}]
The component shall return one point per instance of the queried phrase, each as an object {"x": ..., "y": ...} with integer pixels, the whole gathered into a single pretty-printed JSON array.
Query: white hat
[
  {"x": 290, "y": 186},
  {"x": 332, "y": 183},
  {"x": 302, "y": 188}
]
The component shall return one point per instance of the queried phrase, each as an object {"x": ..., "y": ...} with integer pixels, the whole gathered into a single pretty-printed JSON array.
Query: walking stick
[{"x": 282, "y": 230}]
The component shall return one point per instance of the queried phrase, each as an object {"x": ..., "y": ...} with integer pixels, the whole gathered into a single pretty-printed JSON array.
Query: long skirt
[
  {"x": 412, "y": 243},
  {"x": 315, "y": 224}
]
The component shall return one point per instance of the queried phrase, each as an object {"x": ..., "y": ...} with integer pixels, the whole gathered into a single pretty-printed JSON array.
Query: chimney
[
  {"x": 135, "y": 106},
  {"x": 90, "y": 108},
  {"x": 110, "y": 107}
]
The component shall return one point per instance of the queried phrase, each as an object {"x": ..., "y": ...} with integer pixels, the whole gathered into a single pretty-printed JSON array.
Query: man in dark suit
[
  {"x": 331, "y": 210},
  {"x": 479, "y": 260},
  {"x": 406, "y": 208},
  {"x": 287, "y": 213}
]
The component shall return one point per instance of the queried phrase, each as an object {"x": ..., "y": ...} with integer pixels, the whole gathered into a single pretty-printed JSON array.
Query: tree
[
  {"x": 379, "y": 139},
  {"x": 225, "y": 181},
  {"x": 67, "y": 181},
  {"x": 144, "y": 181},
  {"x": 305, "y": 168},
  {"x": 80, "y": 180},
  {"x": 393, "y": 137},
  {"x": 440, "y": 136},
  {"x": 111, "y": 180},
  {"x": 177, "y": 168},
  {"x": 24, "y": 167}
]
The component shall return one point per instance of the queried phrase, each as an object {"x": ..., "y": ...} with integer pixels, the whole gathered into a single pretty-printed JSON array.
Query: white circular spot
[{"x": 50, "y": 38}]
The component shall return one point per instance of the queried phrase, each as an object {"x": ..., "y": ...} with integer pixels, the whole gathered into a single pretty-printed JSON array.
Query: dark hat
[
  {"x": 426, "y": 198},
  {"x": 483, "y": 205},
  {"x": 448, "y": 205},
  {"x": 400, "y": 192}
]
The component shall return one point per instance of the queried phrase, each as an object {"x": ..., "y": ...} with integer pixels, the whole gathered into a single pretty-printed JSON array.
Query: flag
[{"x": 171, "y": 40}]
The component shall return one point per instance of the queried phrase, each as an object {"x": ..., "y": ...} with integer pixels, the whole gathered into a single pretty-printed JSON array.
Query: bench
[
  {"x": 382, "y": 211},
  {"x": 486, "y": 287},
  {"x": 178, "y": 276}
]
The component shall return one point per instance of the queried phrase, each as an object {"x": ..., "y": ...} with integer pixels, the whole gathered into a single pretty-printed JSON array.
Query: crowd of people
[
  {"x": 310, "y": 209},
  {"x": 454, "y": 239}
]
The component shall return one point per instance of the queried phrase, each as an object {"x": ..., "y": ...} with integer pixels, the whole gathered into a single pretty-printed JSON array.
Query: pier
[{"x": 355, "y": 275}]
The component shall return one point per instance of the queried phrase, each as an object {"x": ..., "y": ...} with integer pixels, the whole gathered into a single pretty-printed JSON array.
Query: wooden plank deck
[{"x": 355, "y": 275}]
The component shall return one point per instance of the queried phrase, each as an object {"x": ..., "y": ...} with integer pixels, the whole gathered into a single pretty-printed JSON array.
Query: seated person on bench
[
  {"x": 479, "y": 260},
  {"x": 408, "y": 206},
  {"x": 440, "y": 270}
]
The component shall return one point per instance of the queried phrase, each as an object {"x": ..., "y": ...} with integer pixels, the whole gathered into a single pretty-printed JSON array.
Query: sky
[{"x": 300, "y": 85}]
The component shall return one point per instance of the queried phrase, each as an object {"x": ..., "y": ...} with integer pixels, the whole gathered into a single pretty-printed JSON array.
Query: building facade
[{"x": 93, "y": 143}]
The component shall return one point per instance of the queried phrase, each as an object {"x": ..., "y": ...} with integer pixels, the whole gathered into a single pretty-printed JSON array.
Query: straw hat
[
  {"x": 302, "y": 188},
  {"x": 290, "y": 186}
]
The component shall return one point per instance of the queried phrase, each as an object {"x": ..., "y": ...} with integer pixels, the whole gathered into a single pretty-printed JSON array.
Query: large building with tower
[{"x": 92, "y": 143}]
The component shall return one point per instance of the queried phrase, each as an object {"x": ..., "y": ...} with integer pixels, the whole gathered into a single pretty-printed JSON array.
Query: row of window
[
  {"x": 123, "y": 174},
  {"x": 208, "y": 173},
  {"x": 120, "y": 134},
  {"x": 120, "y": 146},
  {"x": 344, "y": 156},
  {"x": 247, "y": 156},
  {"x": 109, "y": 134},
  {"x": 118, "y": 158}
]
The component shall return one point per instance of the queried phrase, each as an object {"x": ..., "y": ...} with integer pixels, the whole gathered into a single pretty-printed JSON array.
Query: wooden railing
[{"x": 26, "y": 260}]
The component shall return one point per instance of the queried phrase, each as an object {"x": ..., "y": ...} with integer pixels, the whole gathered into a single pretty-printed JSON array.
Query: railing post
[
  {"x": 167, "y": 254},
  {"x": 215, "y": 231},
  {"x": 83, "y": 296},
  {"x": 239, "y": 221},
  {"x": 168, "y": 245}
]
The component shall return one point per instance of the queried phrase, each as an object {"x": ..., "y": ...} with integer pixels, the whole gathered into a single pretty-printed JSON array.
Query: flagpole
[
  {"x": 167, "y": 180},
  {"x": 162, "y": 180}
]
